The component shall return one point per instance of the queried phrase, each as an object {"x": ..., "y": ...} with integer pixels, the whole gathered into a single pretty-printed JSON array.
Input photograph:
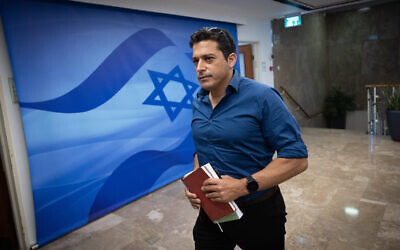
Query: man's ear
[{"x": 232, "y": 58}]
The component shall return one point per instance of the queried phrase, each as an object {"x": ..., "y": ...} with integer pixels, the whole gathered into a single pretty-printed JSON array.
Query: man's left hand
[{"x": 225, "y": 189}]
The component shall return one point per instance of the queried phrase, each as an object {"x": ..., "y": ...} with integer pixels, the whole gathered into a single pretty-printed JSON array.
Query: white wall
[
  {"x": 257, "y": 32},
  {"x": 253, "y": 16}
]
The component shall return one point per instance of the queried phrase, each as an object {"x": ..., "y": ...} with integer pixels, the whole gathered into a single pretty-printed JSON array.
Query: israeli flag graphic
[{"x": 105, "y": 96}]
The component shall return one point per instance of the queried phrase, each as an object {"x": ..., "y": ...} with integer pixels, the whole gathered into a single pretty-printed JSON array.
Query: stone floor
[{"x": 349, "y": 198}]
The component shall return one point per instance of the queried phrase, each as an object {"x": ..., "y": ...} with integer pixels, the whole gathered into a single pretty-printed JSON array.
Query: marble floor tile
[{"x": 349, "y": 198}]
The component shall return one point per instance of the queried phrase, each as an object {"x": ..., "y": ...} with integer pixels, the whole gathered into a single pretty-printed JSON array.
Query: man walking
[{"x": 238, "y": 124}]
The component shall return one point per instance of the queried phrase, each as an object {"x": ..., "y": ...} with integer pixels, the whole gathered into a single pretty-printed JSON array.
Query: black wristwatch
[{"x": 252, "y": 184}]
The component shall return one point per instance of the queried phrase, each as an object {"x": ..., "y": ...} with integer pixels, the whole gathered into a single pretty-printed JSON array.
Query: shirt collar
[{"x": 233, "y": 84}]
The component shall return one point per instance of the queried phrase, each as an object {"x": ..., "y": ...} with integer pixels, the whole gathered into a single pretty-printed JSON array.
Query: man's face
[{"x": 212, "y": 69}]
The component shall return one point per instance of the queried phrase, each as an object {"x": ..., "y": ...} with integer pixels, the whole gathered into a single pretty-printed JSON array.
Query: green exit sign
[{"x": 292, "y": 21}]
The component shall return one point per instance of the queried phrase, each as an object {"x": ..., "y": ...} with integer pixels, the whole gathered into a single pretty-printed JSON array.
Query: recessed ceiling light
[{"x": 364, "y": 9}]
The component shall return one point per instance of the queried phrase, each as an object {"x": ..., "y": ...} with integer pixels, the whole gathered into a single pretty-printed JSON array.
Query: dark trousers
[{"x": 261, "y": 227}]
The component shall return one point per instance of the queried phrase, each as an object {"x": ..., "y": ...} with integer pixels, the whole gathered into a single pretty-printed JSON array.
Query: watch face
[{"x": 252, "y": 185}]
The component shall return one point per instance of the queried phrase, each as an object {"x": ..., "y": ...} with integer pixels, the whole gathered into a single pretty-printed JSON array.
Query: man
[{"x": 237, "y": 125}]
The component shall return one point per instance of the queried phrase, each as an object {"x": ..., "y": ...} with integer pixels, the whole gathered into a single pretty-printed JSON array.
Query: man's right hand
[{"x": 194, "y": 201}]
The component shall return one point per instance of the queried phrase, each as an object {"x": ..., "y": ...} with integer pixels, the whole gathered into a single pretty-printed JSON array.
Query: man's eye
[{"x": 209, "y": 59}]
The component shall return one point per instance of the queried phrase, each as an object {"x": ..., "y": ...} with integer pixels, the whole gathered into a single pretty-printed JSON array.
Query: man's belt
[{"x": 263, "y": 197}]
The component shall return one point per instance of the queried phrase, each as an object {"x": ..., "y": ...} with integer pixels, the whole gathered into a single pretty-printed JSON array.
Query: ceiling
[
  {"x": 331, "y": 4},
  {"x": 317, "y": 4}
]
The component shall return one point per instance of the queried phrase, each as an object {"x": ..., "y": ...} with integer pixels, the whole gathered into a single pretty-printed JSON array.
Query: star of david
[{"x": 158, "y": 97}]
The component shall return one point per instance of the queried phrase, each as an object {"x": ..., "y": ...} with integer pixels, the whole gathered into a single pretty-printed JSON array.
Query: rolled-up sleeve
[{"x": 280, "y": 129}]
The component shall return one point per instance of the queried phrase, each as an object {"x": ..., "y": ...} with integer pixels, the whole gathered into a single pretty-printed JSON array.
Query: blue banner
[{"x": 105, "y": 96}]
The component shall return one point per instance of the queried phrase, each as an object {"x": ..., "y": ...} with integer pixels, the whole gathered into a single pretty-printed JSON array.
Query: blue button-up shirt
[{"x": 241, "y": 134}]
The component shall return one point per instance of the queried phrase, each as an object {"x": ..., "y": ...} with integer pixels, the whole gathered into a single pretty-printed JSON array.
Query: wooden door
[{"x": 246, "y": 52}]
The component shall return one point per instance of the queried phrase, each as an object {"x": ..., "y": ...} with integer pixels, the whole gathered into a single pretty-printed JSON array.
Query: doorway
[{"x": 246, "y": 60}]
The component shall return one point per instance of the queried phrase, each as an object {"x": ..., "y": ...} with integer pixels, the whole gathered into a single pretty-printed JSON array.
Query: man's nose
[{"x": 201, "y": 66}]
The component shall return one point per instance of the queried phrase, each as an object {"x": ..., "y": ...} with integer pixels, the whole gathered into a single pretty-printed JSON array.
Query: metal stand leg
[
  {"x": 374, "y": 110},
  {"x": 371, "y": 111},
  {"x": 371, "y": 123}
]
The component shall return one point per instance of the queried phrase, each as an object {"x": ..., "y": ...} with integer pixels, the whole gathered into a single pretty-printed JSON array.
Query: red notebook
[{"x": 215, "y": 210}]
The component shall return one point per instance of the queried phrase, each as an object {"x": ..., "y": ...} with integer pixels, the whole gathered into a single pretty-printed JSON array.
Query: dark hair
[{"x": 225, "y": 41}]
